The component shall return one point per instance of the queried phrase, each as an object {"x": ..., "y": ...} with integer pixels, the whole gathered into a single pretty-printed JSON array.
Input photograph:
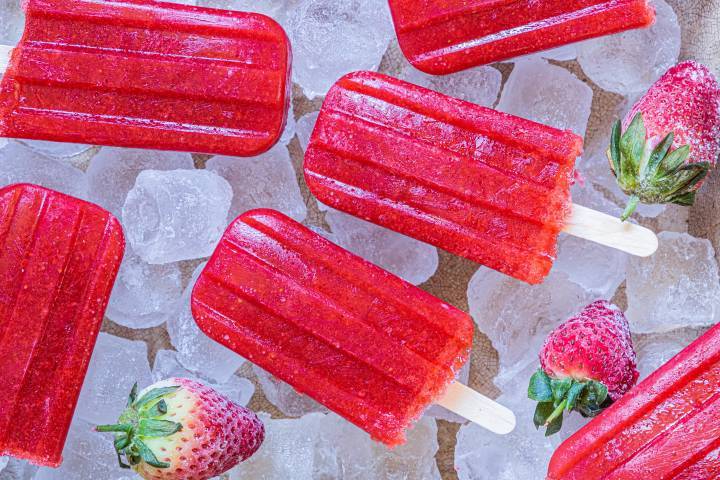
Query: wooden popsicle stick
[
  {"x": 5, "y": 52},
  {"x": 610, "y": 231},
  {"x": 478, "y": 408}
]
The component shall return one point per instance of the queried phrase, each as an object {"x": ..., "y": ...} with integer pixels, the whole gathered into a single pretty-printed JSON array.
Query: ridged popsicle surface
[
  {"x": 476, "y": 182},
  {"x": 59, "y": 257},
  {"x": 366, "y": 344},
  {"x": 445, "y": 36},
  {"x": 138, "y": 73}
]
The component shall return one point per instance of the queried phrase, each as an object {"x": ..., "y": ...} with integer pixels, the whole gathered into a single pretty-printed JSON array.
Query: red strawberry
[
  {"x": 670, "y": 140},
  {"x": 179, "y": 429},
  {"x": 586, "y": 363}
]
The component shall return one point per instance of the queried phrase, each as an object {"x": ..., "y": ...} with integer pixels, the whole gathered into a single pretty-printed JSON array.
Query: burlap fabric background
[{"x": 701, "y": 41}]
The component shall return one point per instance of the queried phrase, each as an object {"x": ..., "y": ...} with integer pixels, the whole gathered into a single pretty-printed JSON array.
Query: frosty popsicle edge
[
  {"x": 363, "y": 342},
  {"x": 479, "y": 183},
  {"x": 137, "y": 73}
]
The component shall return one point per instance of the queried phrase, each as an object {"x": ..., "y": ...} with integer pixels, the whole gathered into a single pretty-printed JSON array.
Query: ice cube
[
  {"x": 12, "y": 22},
  {"x": 116, "y": 364},
  {"x": 561, "y": 54},
  {"x": 479, "y": 85},
  {"x": 144, "y": 294},
  {"x": 19, "y": 164},
  {"x": 16, "y": 469},
  {"x": 319, "y": 446},
  {"x": 653, "y": 351},
  {"x": 676, "y": 287},
  {"x": 333, "y": 37},
  {"x": 290, "y": 127},
  {"x": 272, "y": 8},
  {"x": 284, "y": 397},
  {"x": 265, "y": 181},
  {"x": 517, "y": 317},
  {"x": 112, "y": 172},
  {"x": 196, "y": 351},
  {"x": 547, "y": 94},
  {"x": 598, "y": 269},
  {"x": 305, "y": 126},
  {"x": 3, "y": 462},
  {"x": 56, "y": 149},
  {"x": 406, "y": 257},
  {"x": 176, "y": 215},
  {"x": 631, "y": 61},
  {"x": 523, "y": 454},
  {"x": 239, "y": 390},
  {"x": 87, "y": 455}
]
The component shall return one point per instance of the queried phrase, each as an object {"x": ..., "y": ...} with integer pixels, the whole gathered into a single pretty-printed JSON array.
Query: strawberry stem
[
  {"x": 556, "y": 413},
  {"x": 630, "y": 208}
]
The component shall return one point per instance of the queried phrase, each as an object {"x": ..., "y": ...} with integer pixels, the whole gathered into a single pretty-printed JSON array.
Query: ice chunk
[
  {"x": 598, "y": 269},
  {"x": 523, "y": 454},
  {"x": 87, "y": 455},
  {"x": 19, "y": 164},
  {"x": 319, "y": 446},
  {"x": 562, "y": 54},
  {"x": 16, "y": 469},
  {"x": 547, "y": 94},
  {"x": 12, "y": 22},
  {"x": 631, "y": 61},
  {"x": 305, "y": 126},
  {"x": 56, "y": 149},
  {"x": 272, "y": 8},
  {"x": 176, "y": 215},
  {"x": 144, "y": 294},
  {"x": 406, "y": 257},
  {"x": 653, "y": 351},
  {"x": 196, "y": 351},
  {"x": 116, "y": 364},
  {"x": 517, "y": 328},
  {"x": 112, "y": 172},
  {"x": 265, "y": 181},
  {"x": 479, "y": 85},
  {"x": 284, "y": 397},
  {"x": 676, "y": 287},
  {"x": 239, "y": 390},
  {"x": 442, "y": 413},
  {"x": 290, "y": 127},
  {"x": 333, "y": 37},
  {"x": 3, "y": 462}
]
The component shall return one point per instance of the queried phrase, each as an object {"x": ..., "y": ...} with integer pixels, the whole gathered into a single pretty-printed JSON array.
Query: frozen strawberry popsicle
[
  {"x": 445, "y": 36},
  {"x": 366, "y": 344},
  {"x": 147, "y": 74},
  {"x": 58, "y": 260},
  {"x": 479, "y": 183},
  {"x": 665, "y": 428}
]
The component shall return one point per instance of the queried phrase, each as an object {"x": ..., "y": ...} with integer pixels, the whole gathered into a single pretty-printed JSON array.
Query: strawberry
[
  {"x": 179, "y": 429},
  {"x": 669, "y": 141},
  {"x": 586, "y": 363}
]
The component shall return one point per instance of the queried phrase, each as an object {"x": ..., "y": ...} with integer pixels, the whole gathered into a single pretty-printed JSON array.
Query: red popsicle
[
  {"x": 665, "y": 428},
  {"x": 479, "y": 183},
  {"x": 445, "y": 36},
  {"x": 366, "y": 344},
  {"x": 58, "y": 260},
  {"x": 140, "y": 73}
]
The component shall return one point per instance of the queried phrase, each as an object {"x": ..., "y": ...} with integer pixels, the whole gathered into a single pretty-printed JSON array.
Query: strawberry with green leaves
[
  {"x": 670, "y": 139},
  {"x": 586, "y": 363},
  {"x": 180, "y": 429}
]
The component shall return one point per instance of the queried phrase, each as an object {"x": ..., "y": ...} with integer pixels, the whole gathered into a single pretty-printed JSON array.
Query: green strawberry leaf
[
  {"x": 615, "y": 155},
  {"x": 148, "y": 427},
  {"x": 543, "y": 411},
  {"x": 658, "y": 155},
  {"x": 554, "y": 426},
  {"x": 673, "y": 161},
  {"x": 154, "y": 394},
  {"x": 560, "y": 388},
  {"x": 133, "y": 395},
  {"x": 148, "y": 456},
  {"x": 540, "y": 388},
  {"x": 574, "y": 394},
  {"x": 632, "y": 146},
  {"x": 158, "y": 410}
]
